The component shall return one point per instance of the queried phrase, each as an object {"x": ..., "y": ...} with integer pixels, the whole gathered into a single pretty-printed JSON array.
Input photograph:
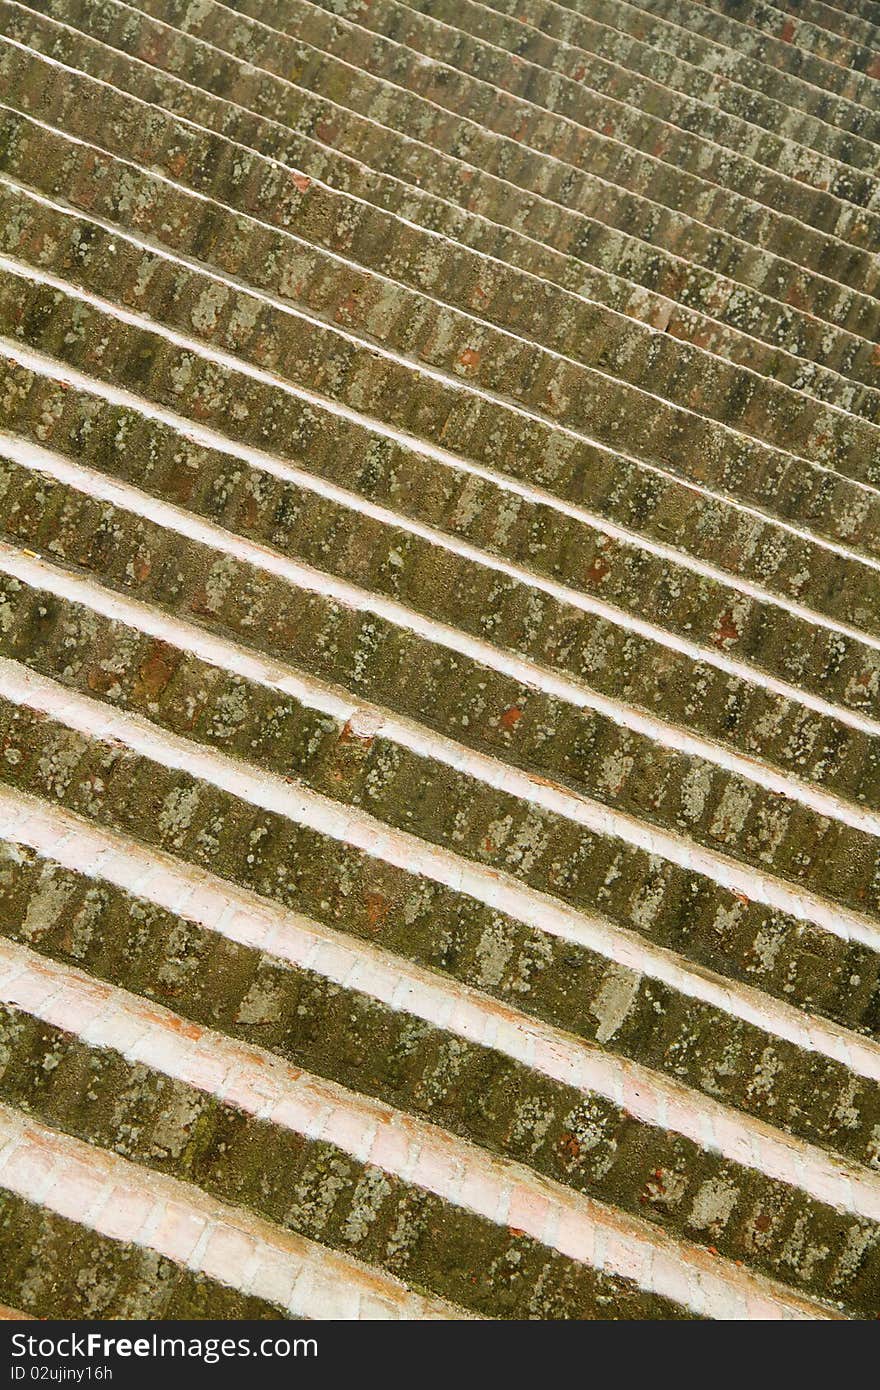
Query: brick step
[
  {"x": 780, "y": 325},
  {"x": 391, "y": 475},
  {"x": 289, "y": 1148},
  {"x": 544, "y": 111},
  {"x": 549, "y": 111},
  {"x": 263, "y": 224},
  {"x": 545, "y": 618},
  {"x": 454, "y": 408},
  {"x": 626, "y": 26},
  {"x": 552, "y": 1142},
  {"x": 839, "y": 18},
  {"x": 774, "y": 53},
  {"x": 724, "y": 230},
  {"x": 317, "y": 740},
  {"x": 683, "y": 900},
  {"x": 835, "y": 664},
  {"x": 311, "y": 1157},
  {"x": 525, "y": 305},
  {"x": 553, "y": 34},
  {"x": 602, "y": 571},
  {"x": 599, "y": 350},
  {"x": 8, "y": 1314},
  {"x": 629, "y": 509},
  {"x": 353, "y": 1173},
  {"x": 112, "y": 1240},
  {"x": 439, "y": 660},
  {"x": 511, "y": 55},
  {"x": 848, "y": 42},
  {"x": 804, "y": 735}
]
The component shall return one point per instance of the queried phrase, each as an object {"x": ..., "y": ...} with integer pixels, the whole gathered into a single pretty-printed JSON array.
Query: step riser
[
  {"x": 723, "y": 80},
  {"x": 601, "y": 140},
  {"x": 819, "y": 28},
  {"x": 740, "y": 305},
  {"x": 183, "y": 810},
  {"x": 401, "y": 785},
  {"x": 477, "y": 371},
  {"x": 522, "y": 610},
  {"x": 645, "y": 105},
  {"x": 348, "y": 639},
  {"x": 47, "y": 1261},
  {"x": 825, "y": 89},
  {"x": 407, "y": 317},
  {"x": 439, "y": 659},
  {"x": 152, "y": 1246},
  {"x": 501, "y": 199},
  {"x": 516, "y": 176},
  {"x": 561, "y": 1151},
  {"x": 307, "y": 1156},
  {"x": 814, "y": 50}
]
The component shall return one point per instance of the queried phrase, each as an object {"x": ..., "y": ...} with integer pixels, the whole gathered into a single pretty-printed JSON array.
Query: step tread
[{"x": 439, "y": 659}]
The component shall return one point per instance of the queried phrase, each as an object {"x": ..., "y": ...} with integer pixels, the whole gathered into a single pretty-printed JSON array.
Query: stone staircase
[{"x": 440, "y": 659}]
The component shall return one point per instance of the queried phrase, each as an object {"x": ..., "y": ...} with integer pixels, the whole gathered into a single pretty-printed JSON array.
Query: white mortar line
[
  {"x": 265, "y": 670},
  {"x": 754, "y": 884},
  {"x": 359, "y": 337},
  {"x": 729, "y": 51},
  {"x": 457, "y": 1171},
  {"x": 96, "y": 483},
  {"x": 560, "y": 592},
  {"x": 691, "y": 485},
  {"x": 547, "y": 157},
  {"x": 297, "y": 802},
  {"x": 29, "y": 119},
  {"x": 35, "y": 569},
  {"x": 175, "y": 79},
  {"x": 8, "y": 1314},
  {"x": 569, "y": 690},
  {"x": 219, "y": 906},
  {"x": 416, "y": 365},
  {"x": 426, "y": 60},
  {"x": 729, "y": 873},
  {"x": 124, "y": 1202},
  {"x": 829, "y": 163},
  {"x": 528, "y": 492}
]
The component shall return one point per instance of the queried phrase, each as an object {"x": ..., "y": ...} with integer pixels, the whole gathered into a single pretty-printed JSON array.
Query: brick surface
[{"x": 439, "y": 659}]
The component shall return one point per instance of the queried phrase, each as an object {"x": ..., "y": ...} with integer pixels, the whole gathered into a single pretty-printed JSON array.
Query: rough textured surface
[{"x": 440, "y": 659}]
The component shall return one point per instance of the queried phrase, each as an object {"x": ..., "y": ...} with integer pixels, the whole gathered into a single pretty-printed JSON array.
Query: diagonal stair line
[
  {"x": 111, "y": 1195},
  {"x": 492, "y": 887},
  {"x": 791, "y": 197},
  {"x": 266, "y": 670},
  {"x": 168, "y": 514},
  {"x": 560, "y": 204},
  {"x": 456, "y": 461},
  {"x": 240, "y": 915},
  {"x": 527, "y": 247},
  {"x": 796, "y": 227},
  {"x": 439, "y": 659},
  {"x": 408, "y": 1148}
]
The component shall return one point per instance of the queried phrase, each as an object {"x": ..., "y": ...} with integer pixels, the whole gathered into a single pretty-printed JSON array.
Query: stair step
[
  {"x": 439, "y": 659},
  {"x": 835, "y": 668},
  {"x": 852, "y": 47},
  {"x": 557, "y": 1168},
  {"x": 779, "y": 106},
  {"x": 780, "y": 322},
  {"x": 112, "y": 1241},
  {"x": 686, "y": 25},
  {"x": 807, "y": 156},
  {"x": 585, "y": 131},
  {"x": 524, "y": 189}
]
